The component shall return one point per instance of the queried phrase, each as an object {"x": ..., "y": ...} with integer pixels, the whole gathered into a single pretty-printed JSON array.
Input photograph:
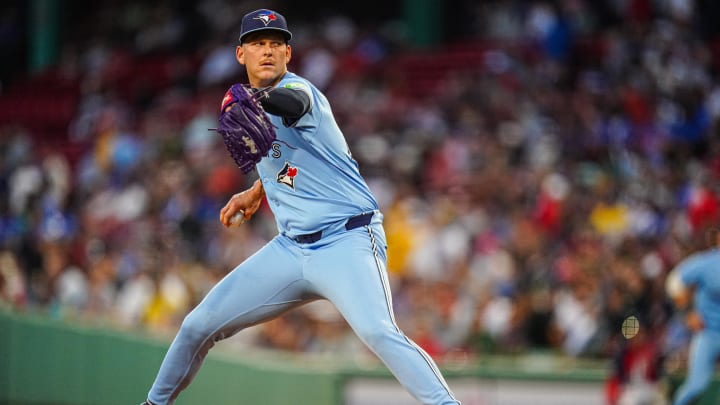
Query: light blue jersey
[
  {"x": 702, "y": 271},
  {"x": 310, "y": 178}
]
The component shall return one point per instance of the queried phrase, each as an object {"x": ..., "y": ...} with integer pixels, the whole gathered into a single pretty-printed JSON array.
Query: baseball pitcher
[{"x": 330, "y": 242}]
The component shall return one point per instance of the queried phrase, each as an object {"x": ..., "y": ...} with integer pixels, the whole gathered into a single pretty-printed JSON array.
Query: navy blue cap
[{"x": 263, "y": 19}]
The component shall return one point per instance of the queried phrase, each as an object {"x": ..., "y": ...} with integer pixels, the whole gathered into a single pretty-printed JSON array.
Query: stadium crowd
[{"x": 532, "y": 202}]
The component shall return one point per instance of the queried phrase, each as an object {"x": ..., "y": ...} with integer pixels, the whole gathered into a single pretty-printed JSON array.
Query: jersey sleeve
[{"x": 691, "y": 270}]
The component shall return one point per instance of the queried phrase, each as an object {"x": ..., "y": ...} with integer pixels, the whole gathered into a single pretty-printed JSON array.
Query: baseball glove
[{"x": 245, "y": 128}]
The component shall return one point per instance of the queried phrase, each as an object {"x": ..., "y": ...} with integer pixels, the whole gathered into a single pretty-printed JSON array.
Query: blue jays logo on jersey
[
  {"x": 287, "y": 174},
  {"x": 266, "y": 18}
]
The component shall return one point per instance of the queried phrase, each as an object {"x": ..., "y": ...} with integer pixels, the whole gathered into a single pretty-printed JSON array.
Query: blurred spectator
[
  {"x": 13, "y": 291},
  {"x": 219, "y": 66},
  {"x": 637, "y": 373}
]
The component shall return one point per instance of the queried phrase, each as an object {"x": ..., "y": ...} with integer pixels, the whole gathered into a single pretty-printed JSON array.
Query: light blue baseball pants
[
  {"x": 346, "y": 267},
  {"x": 704, "y": 352}
]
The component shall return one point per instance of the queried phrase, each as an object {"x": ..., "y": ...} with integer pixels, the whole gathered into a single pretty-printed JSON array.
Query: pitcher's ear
[{"x": 240, "y": 54}]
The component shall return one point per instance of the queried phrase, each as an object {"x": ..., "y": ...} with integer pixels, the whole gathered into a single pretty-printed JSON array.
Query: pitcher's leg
[
  {"x": 262, "y": 287},
  {"x": 703, "y": 354},
  {"x": 352, "y": 275}
]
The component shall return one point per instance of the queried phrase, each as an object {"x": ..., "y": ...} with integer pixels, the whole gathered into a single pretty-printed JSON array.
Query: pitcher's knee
[
  {"x": 197, "y": 326},
  {"x": 374, "y": 337},
  {"x": 200, "y": 325}
]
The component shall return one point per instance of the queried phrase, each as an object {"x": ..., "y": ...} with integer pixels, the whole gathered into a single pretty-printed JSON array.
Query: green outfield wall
[{"x": 49, "y": 362}]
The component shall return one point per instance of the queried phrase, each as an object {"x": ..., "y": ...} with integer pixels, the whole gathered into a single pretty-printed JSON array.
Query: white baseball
[{"x": 238, "y": 218}]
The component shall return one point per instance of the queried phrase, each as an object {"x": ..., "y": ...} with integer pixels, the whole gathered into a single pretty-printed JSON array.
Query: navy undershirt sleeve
[{"x": 289, "y": 104}]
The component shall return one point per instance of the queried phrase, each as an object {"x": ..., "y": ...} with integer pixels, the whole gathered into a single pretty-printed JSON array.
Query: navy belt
[{"x": 354, "y": 222}]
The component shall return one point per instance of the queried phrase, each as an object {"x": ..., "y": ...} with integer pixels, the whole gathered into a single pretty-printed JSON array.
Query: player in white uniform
[{"x": 330, "y": 243}]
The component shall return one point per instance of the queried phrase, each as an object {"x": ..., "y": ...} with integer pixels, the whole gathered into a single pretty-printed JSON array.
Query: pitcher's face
[{"x": 265, "y": 55}]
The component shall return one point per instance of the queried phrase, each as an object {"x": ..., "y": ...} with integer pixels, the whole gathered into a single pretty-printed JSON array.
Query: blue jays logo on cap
[
  {"x": 263, "y": 19},
  {"x": 266, "y": 18}
]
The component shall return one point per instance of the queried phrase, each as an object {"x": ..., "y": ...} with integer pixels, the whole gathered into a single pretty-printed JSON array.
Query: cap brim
[{"x": 288, "y": 34}]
